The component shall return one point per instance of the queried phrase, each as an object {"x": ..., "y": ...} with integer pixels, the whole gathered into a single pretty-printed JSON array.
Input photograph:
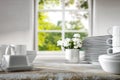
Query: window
[{"x": 59, "y": 19}]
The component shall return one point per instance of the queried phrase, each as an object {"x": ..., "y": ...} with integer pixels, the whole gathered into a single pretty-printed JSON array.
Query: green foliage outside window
[{"x": 47, "y": 40}]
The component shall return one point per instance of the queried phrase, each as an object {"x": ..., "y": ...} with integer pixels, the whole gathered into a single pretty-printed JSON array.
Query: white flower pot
[{"x": 72, "y": 55}]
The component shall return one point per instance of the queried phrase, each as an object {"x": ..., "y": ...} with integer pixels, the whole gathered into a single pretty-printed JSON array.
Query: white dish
[{"x": 110, "y": 65}]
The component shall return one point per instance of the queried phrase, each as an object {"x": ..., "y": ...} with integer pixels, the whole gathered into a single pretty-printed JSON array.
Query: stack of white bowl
[
  {"x": 111, "y": 62},
  {"x": 95, "y": 46}
]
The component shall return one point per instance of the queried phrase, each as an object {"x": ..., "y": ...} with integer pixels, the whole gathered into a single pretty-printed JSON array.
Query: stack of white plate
[{"x": 95, "y": 46}]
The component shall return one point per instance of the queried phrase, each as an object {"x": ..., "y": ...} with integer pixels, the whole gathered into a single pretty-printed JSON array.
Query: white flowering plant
[{"x": 71, "y": 43}]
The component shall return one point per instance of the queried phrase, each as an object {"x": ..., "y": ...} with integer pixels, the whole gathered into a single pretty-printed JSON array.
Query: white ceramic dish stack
[{"x": 110, "y": 63}]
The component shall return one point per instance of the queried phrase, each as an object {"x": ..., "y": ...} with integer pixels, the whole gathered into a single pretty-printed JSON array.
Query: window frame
[{"x": 62, "y": 31}]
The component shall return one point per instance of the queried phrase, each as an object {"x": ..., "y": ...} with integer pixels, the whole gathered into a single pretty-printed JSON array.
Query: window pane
[
  {"x": 76, "y": 4},
  {"x": 76, "y": 20},
  {"x": 70, "y": 34},
  {"x": 50, "y": 4},
  {"x": 49, "y": 20},
  {"x": 48, "y": 41}
]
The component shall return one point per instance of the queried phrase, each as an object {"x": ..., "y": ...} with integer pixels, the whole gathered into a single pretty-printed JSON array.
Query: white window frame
[{"x": 63, "y": 28}]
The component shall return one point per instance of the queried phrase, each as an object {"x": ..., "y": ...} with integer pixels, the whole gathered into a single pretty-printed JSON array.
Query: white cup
[
  {"x": 113, "y": 50},
  {"x": 114, "y": 30},
  {"x": 115, "y": 36},
  {"x": 20, "y": 49}
]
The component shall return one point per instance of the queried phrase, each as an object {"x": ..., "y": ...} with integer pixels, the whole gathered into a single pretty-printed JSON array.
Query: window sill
[
  {"x": 50, "y": 52},
  {"x": 49, "y": 57},
  {"x": 52, "y": 58}
]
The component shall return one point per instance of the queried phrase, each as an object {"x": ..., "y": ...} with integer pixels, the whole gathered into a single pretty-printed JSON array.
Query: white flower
[
  {"x": 74, "y": 43},
  {"x": 75, "y": 47},
  {"x": 59, "y": 43},
  {"x": 79, "y": 44},
  {"x": 68, "y": 39},
  {"x": 66, "y": 42},
  {"x": 76, "y": 39},
  {"x": 76, "y": 35}
]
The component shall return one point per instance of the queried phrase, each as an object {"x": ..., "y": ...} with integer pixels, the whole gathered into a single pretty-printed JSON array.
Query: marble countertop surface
[{"x": 57, "y": 68}]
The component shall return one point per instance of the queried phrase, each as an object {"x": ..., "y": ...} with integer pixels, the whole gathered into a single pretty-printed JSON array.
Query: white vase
[{"x": 72, "y": 55}]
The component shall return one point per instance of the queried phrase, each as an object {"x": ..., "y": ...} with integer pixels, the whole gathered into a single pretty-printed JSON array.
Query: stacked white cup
[
  {"x": 115, "y": 40},
  {"x": 20, "y": 49},
  {"x": 116, "y": 36}
]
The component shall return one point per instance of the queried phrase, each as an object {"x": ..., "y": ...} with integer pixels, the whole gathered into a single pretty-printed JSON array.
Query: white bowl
[{"x": 110, "y": 65}]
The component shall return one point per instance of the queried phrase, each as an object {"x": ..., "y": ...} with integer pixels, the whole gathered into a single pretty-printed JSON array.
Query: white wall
[
  {"x": 106, "y": 14},
  {"x": 16, "y": 22}
]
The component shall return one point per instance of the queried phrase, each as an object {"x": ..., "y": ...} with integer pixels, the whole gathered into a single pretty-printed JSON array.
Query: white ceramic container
[
  {"x": 72, "y": 55},
  {"x": 110, "y": 63}
]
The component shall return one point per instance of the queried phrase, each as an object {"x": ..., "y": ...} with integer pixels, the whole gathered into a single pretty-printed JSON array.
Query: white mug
[
  {"x": 20, "y": 49},
  {"x": 115, "y": 36},
  {"x": 114, "y": 30},
  {"x": 113, "y": 50}
]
